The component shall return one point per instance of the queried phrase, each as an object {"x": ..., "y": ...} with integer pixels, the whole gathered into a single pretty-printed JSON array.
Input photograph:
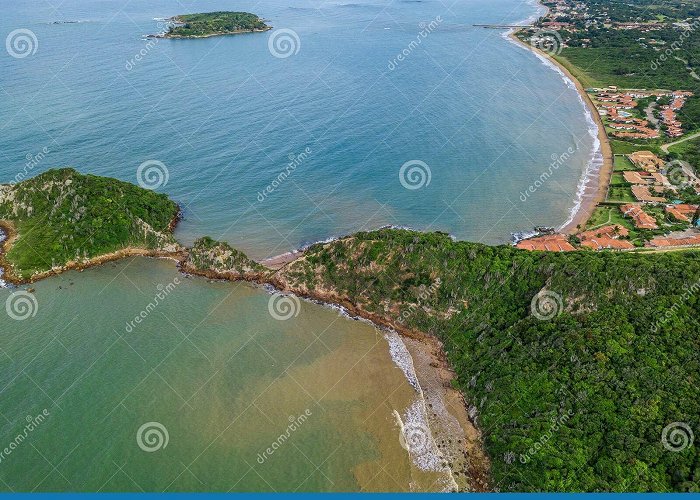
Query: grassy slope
[
  {"x": 62, "y": 215},
  {"x": 210, "y": 255},
  {"x": 586, "y": 79},
  {"x": 688, "y": 151},
  {"x": 599, "y": 364}
]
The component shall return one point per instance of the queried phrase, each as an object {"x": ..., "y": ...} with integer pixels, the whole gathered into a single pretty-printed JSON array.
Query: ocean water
[
  {"x": 474, "y": 119},
  {"x": 209, "y": 368},
  {"x": 224, "y": 115}
]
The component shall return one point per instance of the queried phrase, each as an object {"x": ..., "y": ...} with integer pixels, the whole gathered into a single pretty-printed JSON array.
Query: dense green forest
[
  {"x": 215, "y": 23},
  {"x": 580, "y": 368},
  {"x": 62, "y": 215},
  {"x": 574, "y": 362}
]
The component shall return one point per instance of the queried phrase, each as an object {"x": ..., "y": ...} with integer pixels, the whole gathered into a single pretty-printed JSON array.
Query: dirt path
[{"x": 687, "y": 138}]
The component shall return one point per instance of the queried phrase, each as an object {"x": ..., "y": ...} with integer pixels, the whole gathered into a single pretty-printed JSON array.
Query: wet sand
[
  {"x": 597, "y": 183},
  {"x": 456, "y": 436},
  {"x": 279, "y": 261}
]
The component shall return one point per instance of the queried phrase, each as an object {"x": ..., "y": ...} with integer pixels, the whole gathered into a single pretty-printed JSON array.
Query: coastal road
[{"x": 692, "y": 136}]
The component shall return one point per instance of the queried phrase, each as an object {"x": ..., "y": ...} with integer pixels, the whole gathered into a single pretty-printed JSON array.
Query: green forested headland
[
  {"x": 581, "y": 369},
  {"x": 62, "y": 215},
  {"x": 575, "y": 363}
]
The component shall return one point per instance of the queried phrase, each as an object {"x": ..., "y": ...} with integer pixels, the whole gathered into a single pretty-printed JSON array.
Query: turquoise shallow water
[
  {"x": 223, "y": 115},
  {"x": 222, "y": 376}
]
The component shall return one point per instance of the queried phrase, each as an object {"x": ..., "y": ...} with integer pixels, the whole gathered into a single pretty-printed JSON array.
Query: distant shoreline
[{"x": 595, "y": 194}]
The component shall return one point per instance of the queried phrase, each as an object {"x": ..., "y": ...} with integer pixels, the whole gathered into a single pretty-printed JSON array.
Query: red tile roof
[
  {"x": 606, "y": 242},
  {"x": 549, "y": 243},
  {"x": 661, "y": 242},
  {"x": 610, "y": 231},
  {"x": 642, "y": 220},
  {"x": 682, "y": 212}
]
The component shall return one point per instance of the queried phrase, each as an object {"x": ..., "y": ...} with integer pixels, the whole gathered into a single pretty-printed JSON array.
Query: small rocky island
[{"x": 213, "y": 24}]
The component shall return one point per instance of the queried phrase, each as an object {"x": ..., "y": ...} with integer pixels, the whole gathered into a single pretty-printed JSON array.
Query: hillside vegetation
[
  {"x": 574, "y": 363},
  {"x": 62, "y": 216},
  {"x": 215, "y": 23},
  {"x": 222, "y": 260},
  {"x": 580, "y": 368}
]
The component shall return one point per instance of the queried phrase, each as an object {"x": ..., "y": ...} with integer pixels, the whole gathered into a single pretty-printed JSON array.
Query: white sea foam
[
  {"x": 426, "y": 455},
  {"x": 402, "y": 358},
  {"x": 519, "y": 236},
  {"x": 595, "y": 160}
]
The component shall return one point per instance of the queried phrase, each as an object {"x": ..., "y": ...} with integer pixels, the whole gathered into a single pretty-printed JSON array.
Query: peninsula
[
  {"x": 209, "y": 24},
  {"x": 571, "y": 364}
]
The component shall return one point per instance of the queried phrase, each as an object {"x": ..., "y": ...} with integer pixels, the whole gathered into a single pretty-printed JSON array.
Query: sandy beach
[
  {"x": 596, "y": 185},
  {"x": 279, "y": 261},
  {"x": 457, "y": 438},
  {"x": 455, "y": 432}
]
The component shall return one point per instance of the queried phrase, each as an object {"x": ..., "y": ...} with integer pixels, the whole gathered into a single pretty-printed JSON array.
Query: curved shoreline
[
  {"x": 436, "y": 370},
  {"x": 431, "y": 367},
  {"x": 593, "y": 186},
  {"x": 10, "y": 233}
]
